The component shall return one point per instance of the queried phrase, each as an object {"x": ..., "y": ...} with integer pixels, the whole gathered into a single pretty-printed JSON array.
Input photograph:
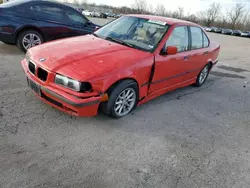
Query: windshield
[{"x": 139, "y": 33}]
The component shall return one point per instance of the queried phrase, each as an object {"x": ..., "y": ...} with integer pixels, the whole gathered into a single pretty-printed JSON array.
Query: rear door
[
  {"x": 170, "y": 70},
  {"x": 199, "y": 52}
]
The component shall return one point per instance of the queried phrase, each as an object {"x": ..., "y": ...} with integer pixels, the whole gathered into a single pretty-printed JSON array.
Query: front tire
[
  {"x": 202, "y": 77},
  {"x": 123, "y": 99},
  {"x": 28, "y": 39}
]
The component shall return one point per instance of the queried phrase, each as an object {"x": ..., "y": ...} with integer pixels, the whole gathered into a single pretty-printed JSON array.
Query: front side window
[
  {"x": 75, "y": 18},
  {"x": 197, "y": 39},
  {"x": 179, "y": 38},
  {"x": 139, "y": 33}
]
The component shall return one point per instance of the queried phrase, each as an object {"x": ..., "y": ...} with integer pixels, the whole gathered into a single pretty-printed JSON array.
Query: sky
[{"x": 191, "y": 6}]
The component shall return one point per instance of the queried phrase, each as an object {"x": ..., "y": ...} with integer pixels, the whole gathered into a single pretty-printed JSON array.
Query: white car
[
  {"x": 208, "y": 29},
  {"x": 245, "y": 34},
  {"x": 87, "y": 13},
  {"x": 96, "y": 14}
]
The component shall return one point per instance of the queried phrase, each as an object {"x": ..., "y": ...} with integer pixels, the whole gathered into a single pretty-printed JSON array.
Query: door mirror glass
[{"x": 171, "y": 50}]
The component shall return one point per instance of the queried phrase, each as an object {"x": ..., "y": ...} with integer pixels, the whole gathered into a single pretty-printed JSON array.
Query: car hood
[{"x": 85, "y": 57}]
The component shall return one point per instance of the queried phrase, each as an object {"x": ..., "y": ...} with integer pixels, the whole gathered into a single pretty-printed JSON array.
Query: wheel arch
[
  {"x": 114, "y": 84},
  {"x": 25, "y": 28},
  {"x": 210, "y": 63},
  {"x": 102, "y": 105}
]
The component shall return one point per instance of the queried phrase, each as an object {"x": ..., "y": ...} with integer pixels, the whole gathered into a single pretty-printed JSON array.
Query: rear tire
[
  {"x": 202, "y": 77},
  {"x": 122, "y": 100},
  {"x": 28, "y": 39}
]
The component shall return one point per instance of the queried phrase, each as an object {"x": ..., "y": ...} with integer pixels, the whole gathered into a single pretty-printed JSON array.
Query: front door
[
  {"x": 51, "y": 20},
  {"x": 171, "y": 70},
  {"x": 78, "y": 23}
]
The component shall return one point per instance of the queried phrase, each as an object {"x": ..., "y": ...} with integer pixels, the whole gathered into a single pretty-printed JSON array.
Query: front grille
[
  {"x": 42, "y": 74},
  {"x": 32, "y": 67},
  {"x": 51, "y": 100}
]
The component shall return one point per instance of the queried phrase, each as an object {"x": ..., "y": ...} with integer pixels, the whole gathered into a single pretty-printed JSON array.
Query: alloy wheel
[
  {"x": 31, "y": 40},
  {"x": 125, "y": 102},
  {"x": 203, "y": 74}
]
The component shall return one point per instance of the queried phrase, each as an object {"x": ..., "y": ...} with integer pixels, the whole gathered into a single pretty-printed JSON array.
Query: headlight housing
[{"x": 72, "y": 84}]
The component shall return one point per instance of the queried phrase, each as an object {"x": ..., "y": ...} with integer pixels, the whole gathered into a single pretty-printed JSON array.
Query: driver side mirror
[
  {"x": 97, "y": 27},
  {"x": 171, "y": 50}
]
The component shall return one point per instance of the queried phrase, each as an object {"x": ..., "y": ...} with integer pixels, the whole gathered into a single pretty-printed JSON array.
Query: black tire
[
  {"x": 23, "y": 34},
  {"x": 200, "y": 82},
  {"x": 113, "y": 93}
]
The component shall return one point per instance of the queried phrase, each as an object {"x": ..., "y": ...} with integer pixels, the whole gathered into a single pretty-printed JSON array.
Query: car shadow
[
  {"x": 169, "y": 96},
  {"x": 10, "y": 49}
]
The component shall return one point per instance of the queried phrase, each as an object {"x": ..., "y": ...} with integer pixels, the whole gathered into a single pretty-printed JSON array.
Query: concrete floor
[{"x": 189, "y": 138}]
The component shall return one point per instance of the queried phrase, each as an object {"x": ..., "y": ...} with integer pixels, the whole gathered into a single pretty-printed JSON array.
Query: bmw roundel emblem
[{"x": 42, "y": 60}]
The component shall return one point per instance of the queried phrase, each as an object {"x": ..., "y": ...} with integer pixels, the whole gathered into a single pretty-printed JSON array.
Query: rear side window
[
  {"x": 49, "y": 12},
  {"x": 205, "y": 40},
  {"x": 197, "y": 38},
  {"x": 179, "y": 38}
]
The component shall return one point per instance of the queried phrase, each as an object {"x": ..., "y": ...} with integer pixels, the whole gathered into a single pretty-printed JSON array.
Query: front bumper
[{"x": 61, "y": 100}]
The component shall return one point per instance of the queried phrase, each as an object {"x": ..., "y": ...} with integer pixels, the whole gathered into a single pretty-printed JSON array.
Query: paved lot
[{"x": 189, "y": 138}]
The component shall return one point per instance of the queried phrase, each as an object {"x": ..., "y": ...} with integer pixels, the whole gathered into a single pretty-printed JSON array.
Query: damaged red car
[{"x": 126, "y": 63}]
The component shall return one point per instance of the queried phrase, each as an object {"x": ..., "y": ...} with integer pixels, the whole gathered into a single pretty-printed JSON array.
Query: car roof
[
  {"x": 18, "y": 2},
  {"x": 169, "y": 21}
]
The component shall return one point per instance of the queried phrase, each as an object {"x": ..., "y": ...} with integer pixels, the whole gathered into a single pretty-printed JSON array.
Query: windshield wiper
[{"x": 120, "y": 42}]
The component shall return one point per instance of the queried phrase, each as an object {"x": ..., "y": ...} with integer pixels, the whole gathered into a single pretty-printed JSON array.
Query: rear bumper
[
  {"x": 214, "y": 63},
  {"x": 65, "y": 102}
]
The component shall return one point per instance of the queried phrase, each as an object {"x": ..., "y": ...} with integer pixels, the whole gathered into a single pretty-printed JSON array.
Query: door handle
[
  {"x": 205, "y": 53},
  {"x": 186, "y": 57}
]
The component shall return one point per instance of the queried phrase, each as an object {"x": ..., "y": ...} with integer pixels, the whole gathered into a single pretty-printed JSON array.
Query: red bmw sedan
[{"x": 127, "y": 62}]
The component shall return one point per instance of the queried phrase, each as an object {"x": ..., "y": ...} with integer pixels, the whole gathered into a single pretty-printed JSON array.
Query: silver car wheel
[
  {"x": 31, "y": 40},
  {"x": 203, "y": 74},
  {"x": 125, "y": 102}
]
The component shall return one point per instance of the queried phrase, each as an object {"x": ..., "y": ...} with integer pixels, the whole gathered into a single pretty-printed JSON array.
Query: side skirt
[{"x": 165, "y": 90}]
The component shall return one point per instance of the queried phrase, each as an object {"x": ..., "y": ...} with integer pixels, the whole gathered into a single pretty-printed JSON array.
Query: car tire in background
[
  {"x": 28, "y": 39},
  {"x": 202, "y": 77},
  {"x": 123, "y": 98}
]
